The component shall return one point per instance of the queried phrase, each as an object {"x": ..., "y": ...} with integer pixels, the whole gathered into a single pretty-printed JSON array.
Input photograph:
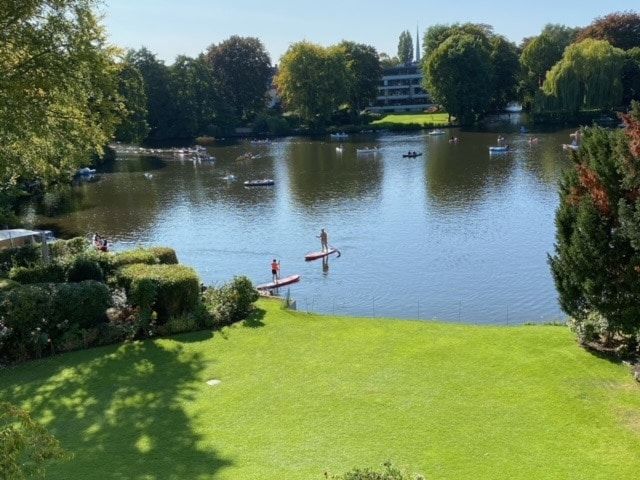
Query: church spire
[{"x": 417, "y": 44}]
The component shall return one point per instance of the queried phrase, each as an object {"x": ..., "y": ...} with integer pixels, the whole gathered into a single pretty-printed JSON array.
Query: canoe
[
  {"x": 411, "y": 155},
  {"x": 316, "y": 255},
  {"x": 500, "y": 149},
  {"x": 267, "y": 182},
  {"x": 280, "y": 283}
]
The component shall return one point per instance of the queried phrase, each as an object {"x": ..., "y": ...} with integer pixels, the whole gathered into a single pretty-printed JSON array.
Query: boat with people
[
  {"x": 264, "y": 182},
  {"x": 437, "y": 131},
  {"x": 338, "y": 136},
  {"x": 499, "y": 149},
  {"x": 570, "y": 146},
  {"x": 281, "y": 282},
  {"x": 411, "y": 154},
  {"x": 86, "y": 171}
]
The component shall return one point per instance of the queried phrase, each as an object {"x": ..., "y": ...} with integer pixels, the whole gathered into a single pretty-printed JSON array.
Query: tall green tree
[
  {"x": 59, "y": 101},
  {"x": 436, "y": 34},
  {"x": 505, "y": 66},
  {"x": 134, "y": 127},
  {"x": 313, "y": 81},
  {"x": 388, "y": 62},
  {"x": 458, "y": 75},
  {"x": 161, "y": 104},
  {"x": 620, "y": 29},
  {"x": 596, "y": 265},
  {"x": 405, "y": 47},
  {"x": 243, "y": 69},
  {"x": 631, "y": 76},
  {"x": 540, "y": 54},
  {"x": 589, "y": 76},
  {"x": 364, "y": 71}
]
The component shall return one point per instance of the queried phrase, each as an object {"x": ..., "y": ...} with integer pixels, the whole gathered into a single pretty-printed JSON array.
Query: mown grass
[
  {"x": 302, "y": 394},
  {"x": 430, "y": 119}
]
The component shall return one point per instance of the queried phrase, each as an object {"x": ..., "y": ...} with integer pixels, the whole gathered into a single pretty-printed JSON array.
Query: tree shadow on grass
[
  {"x": 255, "y": 319},
  {"x": 121, "y": 411}
]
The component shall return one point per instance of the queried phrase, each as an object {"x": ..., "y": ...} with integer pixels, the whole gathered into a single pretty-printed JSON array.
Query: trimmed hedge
[
  {"x": 51, "y": 273},
  {"x": 165, "y": 255},
  {"x": 38, "y": 319},
  {"x": 170, "y": 290},
  {"x": 84, "y": 267},
  {"x": 66, "y": 248},
  {"x": 132, "y": 257}
]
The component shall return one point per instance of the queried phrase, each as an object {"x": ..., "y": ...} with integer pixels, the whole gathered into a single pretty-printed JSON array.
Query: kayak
[
  {"x": 265, "y": 182},
  {"x": 280, "y": 283},
  {"x": 316, "y": 255},
  {"x": 411, "y": 155}
]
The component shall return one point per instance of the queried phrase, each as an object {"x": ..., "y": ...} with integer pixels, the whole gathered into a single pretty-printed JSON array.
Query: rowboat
[
  {"x": 366, "y": 150},
  {"x": 499, "y": 149},
  {"x": 282, "y": 282},
  {"x": 86, "y": 171},
  {"x": 570, "y": 146},
  {"x": 316, "y": 255},
  {"x": 411, "y": 155},
  {"x": 265, "y": 182},
  {"x": 437, "y": 132}
]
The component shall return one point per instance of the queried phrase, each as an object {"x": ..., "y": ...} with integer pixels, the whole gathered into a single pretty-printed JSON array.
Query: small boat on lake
[
  {"x": 412, "y": 155},
  {"x": 366, "y": 150},
  {"x": 229, "y": 178},
  {"x": 265, "y": 182},
  {"x": 437, "y": 131},
  {"x": 338, "y": 136},
  {"x": 339, "y": 149},
  {"x": 280, "y": 283},
  {"x": 570, "y": 146},
  {"x": 86, "y": 171},
  {"x": 499, "y": 149}
]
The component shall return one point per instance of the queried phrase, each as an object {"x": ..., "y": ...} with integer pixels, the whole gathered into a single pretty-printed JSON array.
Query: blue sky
[{"x": 170, "y": 27}]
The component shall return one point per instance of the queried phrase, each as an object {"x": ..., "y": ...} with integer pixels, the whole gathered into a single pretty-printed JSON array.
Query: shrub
[
  {"x": 231, "y": 302},
  {"x": 83, "y": 304},
  {"x": 131, "y": 257},
  {"x": 175, "y": 289},
  {"x": 165, "y": 255},
  {"x": 182, "y": 324},
  {"x": 6, "y": 284},
  {"x": 65, "y": 248},
  {"x": 83, "y": 268},
  {"x": 390, "y": 472},
  {"x": 51, "y": 273},
  {"x": 19, "y": 257}
]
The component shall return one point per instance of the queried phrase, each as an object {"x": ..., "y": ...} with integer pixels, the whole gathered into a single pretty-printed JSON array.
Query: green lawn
[
  {"x": 433, "y": 119},
  {"x": 301, "y": 394}
]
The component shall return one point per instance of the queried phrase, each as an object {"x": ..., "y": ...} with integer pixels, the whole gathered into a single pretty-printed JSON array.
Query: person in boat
[
  {"x": 104, "y": 247},
  {"x": 324, "y": 240},
  {"x": 275, "y": 270}
]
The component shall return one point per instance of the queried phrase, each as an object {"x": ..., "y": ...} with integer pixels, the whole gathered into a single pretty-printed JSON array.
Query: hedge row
[
  {"x": 19, "y": 257},
  {"x": 169, "y": 290},
  {"x": 36, "y": 319}
]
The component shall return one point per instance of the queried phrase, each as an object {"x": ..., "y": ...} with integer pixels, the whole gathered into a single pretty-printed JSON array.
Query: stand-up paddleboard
[
  {"x": 280, "y": 283},
  {"x": 316, "y": 255}
]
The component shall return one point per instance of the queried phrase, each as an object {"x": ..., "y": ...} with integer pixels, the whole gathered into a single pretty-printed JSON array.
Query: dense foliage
[
  {"x": 597, "y": 259},
  {"x": 26, "y": 447},
  {"x": 231, "y": 302},
  {"x": 405, "y": 47},
  {"x": 469, "y": 70},
  {"x": 589, "y": 76},
  {"x": 620, "y": 29}
]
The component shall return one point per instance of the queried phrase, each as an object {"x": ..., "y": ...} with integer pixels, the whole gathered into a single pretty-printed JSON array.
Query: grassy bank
[
  {"x": 417, "y": 119},
  {"x": 301, "y": 394}
]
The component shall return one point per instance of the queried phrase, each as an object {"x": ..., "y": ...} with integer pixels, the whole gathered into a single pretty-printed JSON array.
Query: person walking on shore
[
  {"x": 324, "y": 240},
  {"x": 275, "y": 270}
]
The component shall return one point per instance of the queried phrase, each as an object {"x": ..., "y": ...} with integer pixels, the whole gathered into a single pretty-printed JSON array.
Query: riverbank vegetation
[
  {"x": 321, "y": 393},
  {"x": 419, "y": 120}
]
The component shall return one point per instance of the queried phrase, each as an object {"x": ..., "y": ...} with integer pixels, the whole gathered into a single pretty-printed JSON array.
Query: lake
[{"x": 455, "y": 234}]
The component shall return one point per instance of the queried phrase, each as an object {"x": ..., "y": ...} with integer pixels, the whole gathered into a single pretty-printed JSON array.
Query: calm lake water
[{"x": 455, "y": 234}]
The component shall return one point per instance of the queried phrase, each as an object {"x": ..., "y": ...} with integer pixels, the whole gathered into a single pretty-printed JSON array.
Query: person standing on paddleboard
[
  {"x": 275, "y": 270},
  {"x": 324, "y": 240}
]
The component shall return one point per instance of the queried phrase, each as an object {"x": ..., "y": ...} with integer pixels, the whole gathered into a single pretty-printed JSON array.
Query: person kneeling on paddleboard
[
  {"x": 275, "y": 270},
  {"x": 324, "y": 240}
]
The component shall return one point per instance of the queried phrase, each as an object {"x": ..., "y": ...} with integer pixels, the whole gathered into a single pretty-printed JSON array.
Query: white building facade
[{"x": 400, "y": 90}]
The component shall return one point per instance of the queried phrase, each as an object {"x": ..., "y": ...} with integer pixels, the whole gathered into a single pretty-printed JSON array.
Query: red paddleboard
[
  {"x": 316, "y": 255},
  {"x": 280, "y": 283}
]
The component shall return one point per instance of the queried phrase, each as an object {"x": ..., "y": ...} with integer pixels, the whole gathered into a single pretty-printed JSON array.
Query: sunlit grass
[
  {"x": 301, "y": 394},
  {"x": 431, "y": 119}
]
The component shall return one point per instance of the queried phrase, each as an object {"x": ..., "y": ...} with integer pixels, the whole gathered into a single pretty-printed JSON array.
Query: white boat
[
  {"x": 148, "y": 175},
  {"x": 265, "y": 182},
  {"x": 570, "y": 146},
  {"x": 339, "y": 149},
  {"x": 229, "y": 178},
  {"x": 499, "y": 149},
  {"x": 437, "y": 131},
  {"x": 513, "y": 107},
  {"x": 373, "y": 150},
  {"x": 339, "y": 135},
  {"x": 86, "y": 171}
]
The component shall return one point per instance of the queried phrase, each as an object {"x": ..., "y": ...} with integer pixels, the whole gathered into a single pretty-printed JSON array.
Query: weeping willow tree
[{"x": 588, "y": 77}]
